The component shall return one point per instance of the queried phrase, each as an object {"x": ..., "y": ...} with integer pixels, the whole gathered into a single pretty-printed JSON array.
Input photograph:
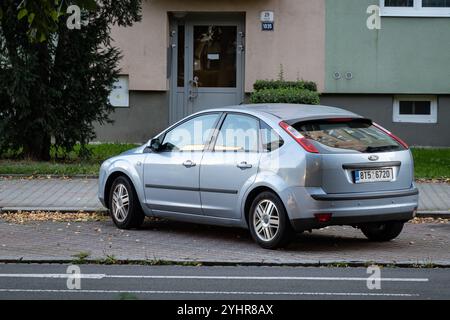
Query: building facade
[{"x": 386, "y": 59}]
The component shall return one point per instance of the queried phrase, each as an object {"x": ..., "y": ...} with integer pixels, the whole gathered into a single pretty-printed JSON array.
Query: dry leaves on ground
[
  {"x": 40, "y": 216},
  {"x": 429, "y": 220},
  {"x": 440, "y": 180},
  {"x": 23, "y": 217}
]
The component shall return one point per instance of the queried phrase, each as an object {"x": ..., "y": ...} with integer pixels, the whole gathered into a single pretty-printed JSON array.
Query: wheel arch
[{"x": 110, "y": 180}]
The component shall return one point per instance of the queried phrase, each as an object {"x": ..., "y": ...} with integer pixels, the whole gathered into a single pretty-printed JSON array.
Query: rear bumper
[
  {"x": 366, "y": 195},
  {"x": 303, "y": 204},
  {"x": 311, "y": 223}
]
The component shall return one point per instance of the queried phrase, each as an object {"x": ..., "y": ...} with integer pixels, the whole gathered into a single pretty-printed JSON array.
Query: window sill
[
  {"x": 424, "y": 13},
  {"x": 417, "y": 120}
]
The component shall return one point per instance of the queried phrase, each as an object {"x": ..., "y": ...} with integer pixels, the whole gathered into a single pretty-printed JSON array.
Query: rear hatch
[{"x": 358, "y": 156}]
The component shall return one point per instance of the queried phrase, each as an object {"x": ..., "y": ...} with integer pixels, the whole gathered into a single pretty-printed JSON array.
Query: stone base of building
[
  {"x": 380, "y": 109},
  {"x": 147, "y": 115}
]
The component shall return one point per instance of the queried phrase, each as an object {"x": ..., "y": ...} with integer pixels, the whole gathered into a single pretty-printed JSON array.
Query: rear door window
[
  {"x": 352, "y": 134},
  {"x": 271, "y": 141},
  {"x": 239, "y": 133}
]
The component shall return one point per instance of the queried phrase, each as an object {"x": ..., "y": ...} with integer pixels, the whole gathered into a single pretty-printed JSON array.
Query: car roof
[{"x": 289, "y": 112}]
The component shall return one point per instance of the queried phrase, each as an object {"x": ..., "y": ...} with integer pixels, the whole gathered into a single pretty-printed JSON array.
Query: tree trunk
[{"x": 38, "y": 148}]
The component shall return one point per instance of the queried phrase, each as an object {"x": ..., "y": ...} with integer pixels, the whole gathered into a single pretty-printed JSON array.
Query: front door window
[{"x": 191, "y": 135}]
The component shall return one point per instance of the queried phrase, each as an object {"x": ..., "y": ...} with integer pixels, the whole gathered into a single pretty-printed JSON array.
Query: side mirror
[{"x": 155, "y": 145}]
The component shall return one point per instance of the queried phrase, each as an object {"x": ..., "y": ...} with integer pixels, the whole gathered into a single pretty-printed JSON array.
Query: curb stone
[
  {"x": 420, "y": 214},
  {"x": 433, "y": 214},
  {"x": 53, "y": 210},
  {"x": 196, "y": 263},
  {"x": 47, "y": 176}
]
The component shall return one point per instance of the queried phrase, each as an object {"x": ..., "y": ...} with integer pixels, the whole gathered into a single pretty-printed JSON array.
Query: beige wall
[{"x": 298, "y": 41}]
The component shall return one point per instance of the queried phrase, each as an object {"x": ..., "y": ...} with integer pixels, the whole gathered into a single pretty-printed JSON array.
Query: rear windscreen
[{"x": 353, "y": 134}]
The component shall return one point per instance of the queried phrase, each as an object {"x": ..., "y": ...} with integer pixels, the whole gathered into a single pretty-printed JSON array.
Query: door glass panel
[
  {"x": 215, "y": 56},
  {"x": 191, "y": 135},
  {"x": 180, "y": 45}
]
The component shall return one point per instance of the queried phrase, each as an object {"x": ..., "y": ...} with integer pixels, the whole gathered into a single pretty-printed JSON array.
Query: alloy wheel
[
  {"x": 120, "y": 202},
  {"x": 266, "y": 220}
]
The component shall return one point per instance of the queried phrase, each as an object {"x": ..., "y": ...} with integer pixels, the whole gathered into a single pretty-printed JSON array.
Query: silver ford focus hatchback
[{"x": 276, "y": 169}]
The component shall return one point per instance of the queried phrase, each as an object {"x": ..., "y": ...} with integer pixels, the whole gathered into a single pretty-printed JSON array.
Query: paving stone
[{"x": 162, "y": 240}]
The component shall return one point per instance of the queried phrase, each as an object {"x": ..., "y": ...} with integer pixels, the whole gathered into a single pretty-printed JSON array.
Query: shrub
[
  {"x": 285, "y": 95},
  {"x": 54, "y": 90},
  {"x": 279, "y": 84}
]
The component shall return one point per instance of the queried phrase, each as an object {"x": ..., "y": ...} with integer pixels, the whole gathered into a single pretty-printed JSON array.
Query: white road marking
[
  {"x": 271, "y": 278},
  {"x": 104, "y": 276},
  {"x": 357, "y": 294},
  {"x": 52, "y": 275}
]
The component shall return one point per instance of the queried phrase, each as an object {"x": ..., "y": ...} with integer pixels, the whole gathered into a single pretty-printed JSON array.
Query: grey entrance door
[{"x": 207, "y": 68}]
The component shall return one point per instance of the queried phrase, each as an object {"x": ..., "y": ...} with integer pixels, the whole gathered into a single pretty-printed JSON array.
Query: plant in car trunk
[{"x": 54, "y": 89}]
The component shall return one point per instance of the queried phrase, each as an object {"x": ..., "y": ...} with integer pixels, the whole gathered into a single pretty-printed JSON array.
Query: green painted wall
[{"x": 408, "y": 55}]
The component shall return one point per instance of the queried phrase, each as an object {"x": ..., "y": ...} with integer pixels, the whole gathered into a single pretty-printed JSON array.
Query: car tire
[
  {"x": 270, "y": 229},
  {"x": 124, "y": 206},
  {"x": 382, "y": 231}
]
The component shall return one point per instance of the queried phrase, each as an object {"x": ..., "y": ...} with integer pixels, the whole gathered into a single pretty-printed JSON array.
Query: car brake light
[
  {"x": 337, "y": 120},
  {"x": 304, "y": 142},
  {"x": 390, "y": 134}
]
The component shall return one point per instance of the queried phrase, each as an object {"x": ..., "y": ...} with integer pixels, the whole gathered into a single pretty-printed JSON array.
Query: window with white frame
[
  {"x": 415, "y": 8},
  {"x": 415, "y": 109}
]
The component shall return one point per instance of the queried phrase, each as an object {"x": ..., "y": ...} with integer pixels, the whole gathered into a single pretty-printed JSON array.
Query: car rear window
[{"x": 349, "y": 134}]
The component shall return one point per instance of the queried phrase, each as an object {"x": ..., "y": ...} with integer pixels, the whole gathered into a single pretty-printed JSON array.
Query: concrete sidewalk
[
  {"x": 81, "y": 194},
  {"x": 49, "y": 195}
]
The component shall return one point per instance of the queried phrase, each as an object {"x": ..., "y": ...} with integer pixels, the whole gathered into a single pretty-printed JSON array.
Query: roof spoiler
[{"x": 330, "y": 119}]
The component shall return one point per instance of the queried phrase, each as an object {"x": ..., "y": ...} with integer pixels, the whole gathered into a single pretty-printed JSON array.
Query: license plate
[{"x": 374, "y": 175}]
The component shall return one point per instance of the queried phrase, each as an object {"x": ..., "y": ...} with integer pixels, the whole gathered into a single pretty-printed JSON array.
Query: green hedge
[
  {"x": 280, "y": 84},
  {"x": 285, "y": 95},
  {"x": 95, "y": 152}
]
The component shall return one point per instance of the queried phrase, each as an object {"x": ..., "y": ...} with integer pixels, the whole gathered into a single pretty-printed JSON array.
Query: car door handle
[
  {"x": 189, "y": 164},
  {"x": 244, "y": 165}
]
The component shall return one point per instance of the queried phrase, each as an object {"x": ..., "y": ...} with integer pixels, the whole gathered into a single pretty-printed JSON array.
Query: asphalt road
[{"x": 41, "y": 281}]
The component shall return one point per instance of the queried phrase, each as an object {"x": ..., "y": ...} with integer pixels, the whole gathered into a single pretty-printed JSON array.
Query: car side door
[
  {"x": 171, "y": 174},
  {"x": 229, "y": 166}
]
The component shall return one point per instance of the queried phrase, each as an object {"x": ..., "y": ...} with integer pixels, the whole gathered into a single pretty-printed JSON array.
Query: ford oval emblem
[{"x": 374, "y": 158}]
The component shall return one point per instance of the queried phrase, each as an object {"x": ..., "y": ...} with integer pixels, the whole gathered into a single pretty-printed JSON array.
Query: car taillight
[
  {"x": 390, "y": 134},
  {"x": 304, "y": 142}
]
